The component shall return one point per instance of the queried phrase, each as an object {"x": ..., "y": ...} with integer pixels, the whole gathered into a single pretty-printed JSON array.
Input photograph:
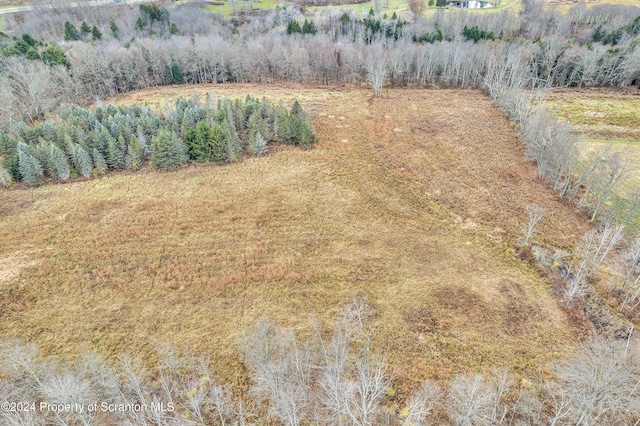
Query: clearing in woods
[{"x": 415, "y": 198}]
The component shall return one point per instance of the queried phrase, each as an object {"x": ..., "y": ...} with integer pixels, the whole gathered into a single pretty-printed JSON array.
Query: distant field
[
  {"x": 389, "y": 6},
  {"x": 607, "y": 117},
  {"x": 416, "y": 206},
  {"x": 6, "y": 3}
]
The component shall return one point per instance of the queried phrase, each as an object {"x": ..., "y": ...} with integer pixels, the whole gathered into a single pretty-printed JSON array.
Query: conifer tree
[
  {"x": 101, "y": 138},
  {"x": 134, "y": 154},
  {"x": 165, "y": 153},
  {"x": 288, "y": 129},
  {"x": 297, "y": 111},
  {"x": 42, "y": 152},
  {"x": 305, "y": 137},
  {"x": 114, "y": 30},
  {"x": 30, "y": 169},
  {"x": 99, "y": 163},
  {"x": 115, "y": 153},
  {"x": 70, "y": 32},
  {"x": 257, "y": 124},
  {"x": 81, "y": 161},
  {"x": 217, "y": 143},
  {"x": 96, "y": 34},
  {"x": 84, "y": 28},
  {"x": 232, "y": 147},
  {"x": 257, "y": 144},
  {"x": 293, "y": 27},
  {"x": 309, "y": 27},
  {"x": 198, "y": 143},
  {"x": 59, "y": 163},
  {"x": 48, "y": 131},
  {"x": 176, "y": 73},
  {"x": 144, "y": 145}
]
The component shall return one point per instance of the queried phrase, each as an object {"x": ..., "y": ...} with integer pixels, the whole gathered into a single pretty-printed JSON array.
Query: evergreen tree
[
  {"x": 99, "y": 163},
  {"x": 144, "y": 145},
  {"x": 257, "y": 144},
  {"x": 84, "y": 28},
  {"x": 96, "y": 34},
  {"x": 174, "y": 29},
  {"x": 288, "y": 129},
  {"x": 53, "y": 55},
  {"x": 49, "y": 132},
  {"x": 309, "y": 27},
  {"x": 305, "y": 137},
  {"x": 59, "y": 163},
  {"x": 165, "y": 151},
  {"x": 115, "y": 153},
  {"x": 42, "y": 152},
  {"x": 114, "y": 30},
  {"x": 297, "y": 111},
  {"x": 101, "y": 138},
  {"x": 30, "y": 169},
  {"x": 217, "y": 143},
  {"x": 70, "y": 32},
  {"x": 176, "y": 73},
  {"x": 8, "y": 149},
  {"x": 133, "y": 159},
  {"x": 232, "y": 147},
  {"x": 198, "y": 143},
  {"x": 30, "y": 40},
  {"x": 81, "y": 161},
  {"x": 181, "y": 149},
  {"x": 293, "y": 27},
  {"x": 258, "y": 125},
  {"x": 141, "y": 24}
]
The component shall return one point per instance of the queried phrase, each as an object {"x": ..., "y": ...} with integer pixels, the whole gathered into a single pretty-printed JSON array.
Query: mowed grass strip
[{"x": 414, "y": 198}]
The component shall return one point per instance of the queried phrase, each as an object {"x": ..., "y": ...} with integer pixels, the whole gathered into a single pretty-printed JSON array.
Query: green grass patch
[{"x": 608, "y": 119}]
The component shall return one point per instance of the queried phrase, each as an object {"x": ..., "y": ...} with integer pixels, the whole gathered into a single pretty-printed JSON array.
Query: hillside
[{"x": 418, "y": 207}]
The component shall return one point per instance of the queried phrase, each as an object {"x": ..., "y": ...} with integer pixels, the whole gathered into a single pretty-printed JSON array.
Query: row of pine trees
[{"x": 89, "y": 142}]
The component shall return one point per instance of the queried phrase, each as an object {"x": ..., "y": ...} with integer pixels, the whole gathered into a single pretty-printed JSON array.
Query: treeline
[
  {"x": 84, "y": 142},
  {"x": 333, "y": 378},
  {"x": 333, "y": 48}
]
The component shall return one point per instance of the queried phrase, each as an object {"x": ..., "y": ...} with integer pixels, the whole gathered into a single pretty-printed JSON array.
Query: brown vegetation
[{"x": 416, "y": 206}]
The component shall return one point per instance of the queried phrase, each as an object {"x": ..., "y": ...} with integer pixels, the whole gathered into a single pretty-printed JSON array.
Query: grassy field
[
  {"x": 389, "y": 7},
  {"x": 418, "y": 207},
  {"x": 401, "y": 6},
  {"x": 606, "y": 117}
]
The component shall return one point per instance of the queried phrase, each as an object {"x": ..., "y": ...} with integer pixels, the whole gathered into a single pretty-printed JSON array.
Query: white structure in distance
[{"x": 471, "y": 4}]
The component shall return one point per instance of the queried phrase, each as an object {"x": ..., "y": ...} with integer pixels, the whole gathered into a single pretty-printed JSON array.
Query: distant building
[{"x": 472, "y": 4}]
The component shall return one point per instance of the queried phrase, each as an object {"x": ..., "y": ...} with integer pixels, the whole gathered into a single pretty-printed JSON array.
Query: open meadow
[
  {"x": 418, "y": 207},
  {"x": 607, "y": 118}
]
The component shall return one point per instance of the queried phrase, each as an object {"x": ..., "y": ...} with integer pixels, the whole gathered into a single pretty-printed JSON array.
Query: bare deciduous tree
[
  {"x": 535, "y": 214},
  {"x": 598, "y": 385}
]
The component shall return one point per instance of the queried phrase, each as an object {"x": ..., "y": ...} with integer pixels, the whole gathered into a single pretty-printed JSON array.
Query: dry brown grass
[{"x": 414, "y": 198}]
